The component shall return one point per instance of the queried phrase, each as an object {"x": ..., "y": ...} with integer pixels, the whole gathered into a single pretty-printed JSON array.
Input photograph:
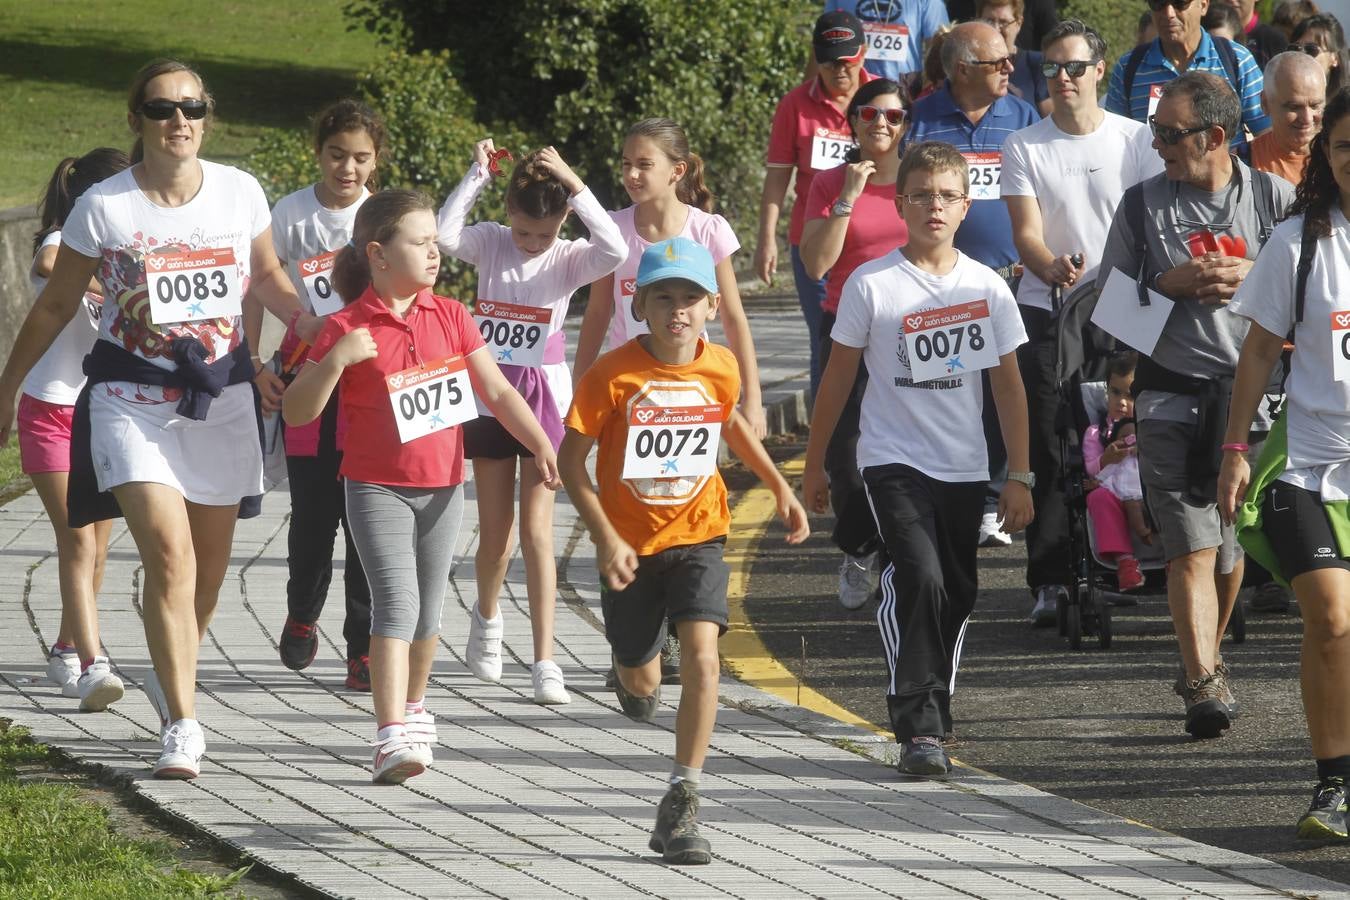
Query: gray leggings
[{"x": 406, "y": 539}]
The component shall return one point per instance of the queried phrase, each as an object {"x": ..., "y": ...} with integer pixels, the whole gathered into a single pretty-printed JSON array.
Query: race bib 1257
[
  {"x": 828, "y": 149},
  {"x": 986, "y": 174}
]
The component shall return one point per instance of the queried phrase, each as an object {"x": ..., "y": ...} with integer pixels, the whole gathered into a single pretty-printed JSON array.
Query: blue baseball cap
[{"x": 678, "y": 258}]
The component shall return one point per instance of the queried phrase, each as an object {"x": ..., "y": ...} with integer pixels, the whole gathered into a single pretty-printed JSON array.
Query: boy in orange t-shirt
[{"x": 657, "y": 406}]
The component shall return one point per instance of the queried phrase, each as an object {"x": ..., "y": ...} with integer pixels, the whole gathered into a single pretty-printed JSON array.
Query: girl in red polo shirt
[{"x": 410, "y": 369}]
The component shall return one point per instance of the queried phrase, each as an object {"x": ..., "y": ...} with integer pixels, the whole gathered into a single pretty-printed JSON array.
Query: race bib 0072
[
  {"x": 671, "y": 442},
  {"x": 954, "y": 340}
]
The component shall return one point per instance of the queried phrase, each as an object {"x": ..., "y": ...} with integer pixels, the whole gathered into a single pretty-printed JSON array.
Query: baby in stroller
[{"x": 1116, "y": 503}]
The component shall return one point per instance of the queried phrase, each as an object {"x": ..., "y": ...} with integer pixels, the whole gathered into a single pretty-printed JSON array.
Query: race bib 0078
[
  {"x": 671, "y": 442},
  {"x": 950, "y": 341}
]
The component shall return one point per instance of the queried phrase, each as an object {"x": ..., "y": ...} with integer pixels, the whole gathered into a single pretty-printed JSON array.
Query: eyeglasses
[
  {"x": 1178, "y": 5},
  {"x": 1075, "y": 68},
  {"x": 1000, "y": 24},
  {"x": 160, "y": 110},
  {"x": 894, "y": 117},
  {"x": 947, "y": 198},
  {"x": 993, "y": 63},
  {"x": 1172, "y": 136},
  {"x": 1310, "y": 49}
]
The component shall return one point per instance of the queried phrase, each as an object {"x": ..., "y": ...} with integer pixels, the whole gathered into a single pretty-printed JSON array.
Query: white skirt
[{"x": 215, "y": 462}]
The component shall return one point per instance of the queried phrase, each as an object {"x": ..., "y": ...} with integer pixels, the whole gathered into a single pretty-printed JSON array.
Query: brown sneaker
[
  {"x": 676, "y": 836},
  {"x": 1223, "y": 673},
  {"x": 1207, "y": 715}
]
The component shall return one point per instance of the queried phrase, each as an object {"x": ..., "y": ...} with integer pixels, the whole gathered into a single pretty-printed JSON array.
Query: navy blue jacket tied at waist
[{"x": 200, "y": 383}]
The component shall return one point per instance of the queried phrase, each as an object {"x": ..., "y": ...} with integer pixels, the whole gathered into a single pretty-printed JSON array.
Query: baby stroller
[{"x": 1081, "y": 355}]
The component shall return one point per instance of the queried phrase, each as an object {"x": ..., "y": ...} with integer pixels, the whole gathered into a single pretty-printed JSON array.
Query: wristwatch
[
  {"x": 841, "y": 209},
  {"x": 1027, "y": 478}
]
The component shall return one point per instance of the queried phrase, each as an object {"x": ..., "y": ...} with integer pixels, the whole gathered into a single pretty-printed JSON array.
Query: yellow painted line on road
[{"x": 742, "y": 650}]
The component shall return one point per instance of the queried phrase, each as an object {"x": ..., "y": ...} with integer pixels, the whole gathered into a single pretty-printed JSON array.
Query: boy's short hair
[
  {"x": 678, "y": 258},
  {"x": 932, "y": 156}
]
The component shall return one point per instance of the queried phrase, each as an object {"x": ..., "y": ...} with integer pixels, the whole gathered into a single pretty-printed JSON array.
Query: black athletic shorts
[
  {"x": 1296, "y": 525},
  {"x": 486, "y": 438},
  {"x": 686, "y": 583}
]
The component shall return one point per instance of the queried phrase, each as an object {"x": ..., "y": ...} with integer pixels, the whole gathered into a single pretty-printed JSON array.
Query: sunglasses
[
  {"x": 994, "y": 63},
  {"x": 1075, "y": 68},
  {"x": 1172, "y": 136},
  {"x": 894, "y": 117},
  {"x": 1310, "y": 49},
  {"x": 1178, "y": 5},
  {"x": 160, "y": 110}
]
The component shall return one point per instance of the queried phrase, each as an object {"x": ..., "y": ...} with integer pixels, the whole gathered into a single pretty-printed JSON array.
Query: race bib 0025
[
  {"x": 431, "y": 398},
  {"x": 190, "y": 286},
  {"x": 515, "y": 334},
  {"x": 672, "y": 442},
  {"x": 954, "y": 340}
]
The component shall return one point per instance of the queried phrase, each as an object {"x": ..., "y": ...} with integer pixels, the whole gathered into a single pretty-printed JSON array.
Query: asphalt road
[{"x": 1100, "y": 727}]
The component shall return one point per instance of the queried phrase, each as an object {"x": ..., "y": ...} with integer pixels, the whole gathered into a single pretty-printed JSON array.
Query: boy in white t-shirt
[{"x": 926, "y": 319}]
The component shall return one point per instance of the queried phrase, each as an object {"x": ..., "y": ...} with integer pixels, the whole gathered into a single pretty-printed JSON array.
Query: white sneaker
[
  {"x": 397, "y": 758},
  {"x": 98, "y": 686},
  {"x": 158, "y": 702},
  {"x": 855, "y": 580},
  {"x": 421, "y": 729},
  {"x": 990, "y": 533},
  {"x": 64, "y": 669},
  {"x": 184, "y": 746},
  {"x": 484, "y": 652},
  {"x": 549, "y": 687}
]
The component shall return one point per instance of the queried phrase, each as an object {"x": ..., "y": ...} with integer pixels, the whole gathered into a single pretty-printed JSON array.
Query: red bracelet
[{"x": 1239, "y": 448}]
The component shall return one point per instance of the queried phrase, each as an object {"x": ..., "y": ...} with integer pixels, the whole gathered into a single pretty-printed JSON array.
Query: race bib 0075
[
  {"x": 950, "y": 341},
  {"x": 671, "y": 442},
  {"x": 431, "y": 398},
  {"x": 187, "y": 287}
]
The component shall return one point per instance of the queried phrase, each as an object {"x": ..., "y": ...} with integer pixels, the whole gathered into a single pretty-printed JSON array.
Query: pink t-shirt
[
  {"x": 708, "y": 229},
  {"x": 810, "y": 134},
  {"x": 874, "y": 228}
]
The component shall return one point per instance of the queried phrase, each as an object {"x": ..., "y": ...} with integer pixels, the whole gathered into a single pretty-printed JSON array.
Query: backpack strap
[
  {"x": 1132, "y": 205},
  {"x": 1265, "y": 204},
  {"x": 1132, "y": 65},
  {"x": 1228, "y": 56},
  {"x": 1307, "y": 249}
]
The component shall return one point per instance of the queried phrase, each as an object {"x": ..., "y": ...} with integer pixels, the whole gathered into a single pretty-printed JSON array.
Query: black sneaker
[
  {"x": 924, "y": 757},
  {"x": 1207, "y": 715},
  {"x": 299, "y": 644},
  {"x": 358, "y": 673},
  {"x": 670, "y": 660},
  {"x": 676, "y": 835},
  {"x": 639, "y": 709},
  {"x": 1270, "y": 597},
  {"x": 1325, "y": 818}
]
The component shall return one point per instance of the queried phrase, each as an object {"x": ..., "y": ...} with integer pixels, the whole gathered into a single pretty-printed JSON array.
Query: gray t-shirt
[{"x": 1199, "y": 340}]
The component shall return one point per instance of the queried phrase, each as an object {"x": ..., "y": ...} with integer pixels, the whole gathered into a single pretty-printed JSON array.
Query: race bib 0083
[{"x": 187, "y": 287}]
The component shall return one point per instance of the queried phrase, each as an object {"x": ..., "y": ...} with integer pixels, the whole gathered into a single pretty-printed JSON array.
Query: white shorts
[{"x": 215, "y": 462}]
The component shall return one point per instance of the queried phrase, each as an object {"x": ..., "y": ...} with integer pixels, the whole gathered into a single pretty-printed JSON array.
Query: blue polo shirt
[
  {"x": 1157, "y": 69},
  {"x": 986, "y": 234},
  {"x": 921, "y": 19}
]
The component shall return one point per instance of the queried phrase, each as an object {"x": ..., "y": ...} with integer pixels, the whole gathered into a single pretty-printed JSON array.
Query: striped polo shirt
[{"x": 1157, "y": 69}]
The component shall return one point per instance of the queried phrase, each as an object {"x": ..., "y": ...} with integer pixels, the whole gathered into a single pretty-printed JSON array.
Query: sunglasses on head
[
  {"x": 1309, "y": 48},
  {"x": 1178, "y": 5},
  {"x": 1075, "y": 68},
  {"x": 160, "y": 110},
  {"x": 1170, "y": 135},
  {"x": 868, "y": 114}
]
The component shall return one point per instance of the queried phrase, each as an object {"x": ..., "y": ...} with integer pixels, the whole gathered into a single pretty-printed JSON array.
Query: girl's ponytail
[
  {"x": 377, "y": 222},
  {"x": 74, "y": 176},
  {"x": 351, "y": 272},
  {"x": 691, "y": 189}
]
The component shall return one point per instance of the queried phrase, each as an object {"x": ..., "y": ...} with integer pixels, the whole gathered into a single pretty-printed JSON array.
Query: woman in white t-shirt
[
  {"x": 167, "y": 424},
  {"x": 1291, "y": 510},
  {"x": 309, "y": 227},
  {"x": 46, "y": 408},
  {"x": 664, "y": 179}
]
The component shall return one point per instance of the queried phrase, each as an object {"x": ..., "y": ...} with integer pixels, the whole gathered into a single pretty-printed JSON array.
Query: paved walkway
[{"x": 532, "y": 801}]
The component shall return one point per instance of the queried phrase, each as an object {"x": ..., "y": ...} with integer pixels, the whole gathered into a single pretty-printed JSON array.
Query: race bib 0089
[{"x": 515, "y": 334}]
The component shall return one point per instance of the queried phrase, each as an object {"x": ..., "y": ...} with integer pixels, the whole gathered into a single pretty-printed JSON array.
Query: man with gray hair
[
  {"x": 1294, "y": 96},
  {"x": 1185, "y": 240},
  {"x": 973, "y": 111}
]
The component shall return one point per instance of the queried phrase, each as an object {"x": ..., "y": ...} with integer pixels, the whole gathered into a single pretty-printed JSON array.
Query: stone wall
[{"x": 16, "y": 255}]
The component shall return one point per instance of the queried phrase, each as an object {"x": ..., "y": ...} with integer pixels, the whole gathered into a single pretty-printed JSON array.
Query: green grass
[
  {"x": 54, "y": 843},
  {"x": 65, "y": 66},
  {"x": 10, "y": 471}
]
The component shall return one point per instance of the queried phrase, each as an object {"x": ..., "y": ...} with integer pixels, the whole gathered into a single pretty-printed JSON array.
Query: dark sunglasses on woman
[{"x": 160, "y": 110}]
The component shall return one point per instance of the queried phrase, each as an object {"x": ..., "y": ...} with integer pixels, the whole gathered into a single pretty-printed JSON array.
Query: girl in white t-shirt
[
  {"x": 664, "y": 179},
  {"x": 46, "y": 409},
  {"x": 309, "y": 227},
  {"x": 165, "y": 431},
  {"x": 526, "y": 277}
]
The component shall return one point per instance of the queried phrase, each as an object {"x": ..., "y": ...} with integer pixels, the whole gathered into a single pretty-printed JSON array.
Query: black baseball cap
[{"x": 838, "y": 36}]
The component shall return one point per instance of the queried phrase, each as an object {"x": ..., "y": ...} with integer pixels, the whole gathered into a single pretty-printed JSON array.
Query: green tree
[{"x": 577, "y": 74}]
